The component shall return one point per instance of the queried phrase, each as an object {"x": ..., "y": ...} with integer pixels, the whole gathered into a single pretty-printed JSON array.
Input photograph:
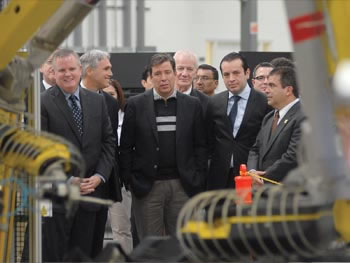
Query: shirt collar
[
  {"x": 285, "y": 109},
  {"x": 67, "y": 95},
  {"x": 244, "y": 93},
  {"x": 156, "y": 96},
  {"x": 46, "y": 85},
  {"x": 188, "y": 92}
]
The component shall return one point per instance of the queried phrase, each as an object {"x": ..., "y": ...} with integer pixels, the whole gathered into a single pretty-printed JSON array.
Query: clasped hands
[{"x": 87, "y": 185}]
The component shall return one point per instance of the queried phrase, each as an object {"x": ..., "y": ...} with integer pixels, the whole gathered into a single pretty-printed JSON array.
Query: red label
[{"x": 307, "y": 26}]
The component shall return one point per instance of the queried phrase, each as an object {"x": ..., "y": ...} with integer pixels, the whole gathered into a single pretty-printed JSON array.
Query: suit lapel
[
  {"x": 282, "y": 124},
  {"x": 223, "y": 111},
  {"x": 149, "y": 109},
  {"x": 180, "y": 114},
  {"x": 61, "y": 103}
]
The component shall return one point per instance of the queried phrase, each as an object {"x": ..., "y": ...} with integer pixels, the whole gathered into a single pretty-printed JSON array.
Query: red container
[{"x": 243, "y": 186}]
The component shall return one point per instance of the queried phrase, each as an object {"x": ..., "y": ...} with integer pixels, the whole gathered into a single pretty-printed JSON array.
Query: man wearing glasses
[
  {"x": 206, "y": 79},
  {"x": 260, "y": 74}
]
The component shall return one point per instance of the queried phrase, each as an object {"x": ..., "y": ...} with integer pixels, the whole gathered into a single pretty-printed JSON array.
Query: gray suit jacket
[
  {"x": 277, "y": 155},
  {"x": 97, "y": 144}
]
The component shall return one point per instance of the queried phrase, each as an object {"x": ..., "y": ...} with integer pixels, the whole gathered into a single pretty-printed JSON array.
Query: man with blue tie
[
  {"x": 80, "y": 116},
  {"x": 234, "y": 119}
]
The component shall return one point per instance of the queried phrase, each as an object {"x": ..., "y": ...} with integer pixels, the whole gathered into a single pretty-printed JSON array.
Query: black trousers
[{"x": 87, "y": 231}]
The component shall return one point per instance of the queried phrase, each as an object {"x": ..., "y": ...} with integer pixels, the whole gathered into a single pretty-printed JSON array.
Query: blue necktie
[
  {"x": 234, "y": 109},
  {"x": 77, "y": 115}
]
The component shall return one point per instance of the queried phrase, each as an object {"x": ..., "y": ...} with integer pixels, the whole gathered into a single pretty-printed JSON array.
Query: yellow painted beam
[{"x": 19, "y": 21}]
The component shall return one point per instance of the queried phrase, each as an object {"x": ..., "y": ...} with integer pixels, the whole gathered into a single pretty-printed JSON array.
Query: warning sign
[{"x": 307, "y": 26}]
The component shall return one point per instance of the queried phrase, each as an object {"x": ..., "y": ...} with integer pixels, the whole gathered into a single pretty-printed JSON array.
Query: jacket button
[
  {"x": 157, "y": 149},
  {"x": 155, "y": 166}
]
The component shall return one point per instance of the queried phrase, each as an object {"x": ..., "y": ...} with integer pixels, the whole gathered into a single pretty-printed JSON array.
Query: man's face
[
  {"x": 48, "y": 73},
  {"x": 276, "y": 94},
  {"x": 205, "y": 82},
  {"x": 101, "y": 75},
  {"x": 67, "y": 73},
  {"x": 111, "y": 91},
  {"x": 235, "y": 78},
  {"x": 185, "y": 71},
  {"x": 260, "y": 82},
  {"x": 163, "y": 79}
]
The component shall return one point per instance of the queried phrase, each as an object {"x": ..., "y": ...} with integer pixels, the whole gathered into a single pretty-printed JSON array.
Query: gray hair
[
  {"x": 63, "y": 53},
  {"x": 92, "y": 58},
  {"x": 187, "y": 53}
]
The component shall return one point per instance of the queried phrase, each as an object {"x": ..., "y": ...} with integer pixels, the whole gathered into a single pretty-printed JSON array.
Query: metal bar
[
  {"x": 102, "y": 24},
  {"x": 248, "y": 22},
  {"x": 126, "y": 23},
  {"x": 78, "y": 36},
  {"x": 37, "y": 256},
  {"x": 140, "y": 23}
]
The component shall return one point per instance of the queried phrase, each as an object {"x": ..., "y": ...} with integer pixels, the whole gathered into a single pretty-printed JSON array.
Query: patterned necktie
[
  {"x": 275, "y": 121},
  {"x": 233, "y": 111},
  {"x": 77, "y": 115}
]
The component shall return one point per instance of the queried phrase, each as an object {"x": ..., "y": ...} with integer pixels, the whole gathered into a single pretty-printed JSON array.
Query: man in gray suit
[
  {"x": 274, "y": 153},
  {"x": 80, "y": 116}
]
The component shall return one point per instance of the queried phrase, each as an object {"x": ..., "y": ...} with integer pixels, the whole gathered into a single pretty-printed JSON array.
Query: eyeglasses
[
  {"x": 204, "y": 78},
  {"x": 261, "y": 78}
]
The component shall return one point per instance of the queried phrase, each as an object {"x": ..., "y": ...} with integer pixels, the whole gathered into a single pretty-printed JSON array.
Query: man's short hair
[
  {"x": 145, "y": 73},
  {"x": 287, "y": 78},
  {"x": 282, "y": 62},
  {"x": 262, "y": 65},
  {"x": 160, "y": 58},
  {"x": 63, "y": 53},
  {"x": 211, "y": 68},
  {"x": 233, "y": 56},
  {"x": 91, "y": 59}
]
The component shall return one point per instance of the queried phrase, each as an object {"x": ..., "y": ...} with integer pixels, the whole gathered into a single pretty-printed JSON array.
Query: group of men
[{"x": 176, "y": 141}]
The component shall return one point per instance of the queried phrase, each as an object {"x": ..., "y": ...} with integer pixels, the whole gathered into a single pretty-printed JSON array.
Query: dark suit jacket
[
  {"x": 222, "y": 144},
  {"x": 114, "y": 183},
  {"x": 139, "y": 144},
  {"x": 203, "y": 98},
  {"x": 277, "y": 155},
  {"x": 97, "y": 144}
]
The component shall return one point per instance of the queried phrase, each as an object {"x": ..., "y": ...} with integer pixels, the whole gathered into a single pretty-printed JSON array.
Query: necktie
[
  {"x": 233, "y": 112},
  {"x": 276, "y": 117},
  {"x": 77, "y": 115}
]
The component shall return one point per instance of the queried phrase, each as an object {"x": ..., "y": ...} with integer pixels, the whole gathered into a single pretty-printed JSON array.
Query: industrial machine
[{"x": 305, "y": 219}]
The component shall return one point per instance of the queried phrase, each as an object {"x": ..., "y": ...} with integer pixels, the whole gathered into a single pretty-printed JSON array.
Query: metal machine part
[{"x": 282, "y": 223}]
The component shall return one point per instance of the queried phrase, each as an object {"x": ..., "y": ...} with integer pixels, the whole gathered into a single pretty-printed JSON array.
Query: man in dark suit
[
  {"x": 162, "y": 150},
  {"x": 48, "y": 75},
  {"x": 206, "y": 79},
  {"x": 186, "y": 66},
  {"x": 274, "y": 153},
  {"x": 80, "y": 116},
  {"x": 234, "y": 119}
]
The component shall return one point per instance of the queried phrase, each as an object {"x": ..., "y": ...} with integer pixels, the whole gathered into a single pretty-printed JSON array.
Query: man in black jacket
[
  {"x": 162, "y": 150},
  {"x": 234, "y": 119}
]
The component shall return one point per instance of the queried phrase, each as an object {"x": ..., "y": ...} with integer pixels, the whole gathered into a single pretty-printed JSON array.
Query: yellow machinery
[{"x": 40, "y": 25}]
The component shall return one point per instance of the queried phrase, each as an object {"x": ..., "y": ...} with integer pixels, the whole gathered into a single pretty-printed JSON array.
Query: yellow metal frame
[{"x": 22, "y": 19}]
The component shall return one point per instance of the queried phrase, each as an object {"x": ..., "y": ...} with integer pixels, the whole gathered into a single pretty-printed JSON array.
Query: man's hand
[
  {"x": 257, "y": 181},
  {"x": 88, "y": 185}
]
